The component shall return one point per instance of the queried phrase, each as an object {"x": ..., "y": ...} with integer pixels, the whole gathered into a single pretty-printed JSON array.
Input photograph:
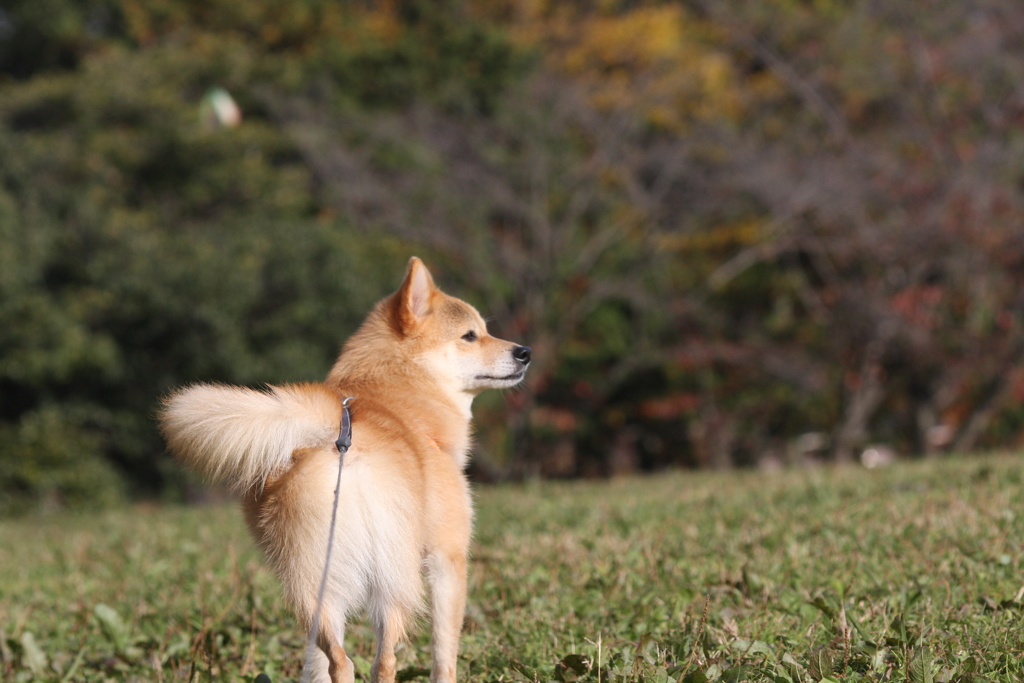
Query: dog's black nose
[{"x": 522, "y": 354}]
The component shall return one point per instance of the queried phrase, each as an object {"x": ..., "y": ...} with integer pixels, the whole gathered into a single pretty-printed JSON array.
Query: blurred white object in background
[
  {"x": 877, "y": 456},
  {"x": 219, "y": 110}
]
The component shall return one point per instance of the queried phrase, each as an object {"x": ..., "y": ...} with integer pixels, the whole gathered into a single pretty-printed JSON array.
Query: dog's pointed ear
[{"x": 413, "y": 298}]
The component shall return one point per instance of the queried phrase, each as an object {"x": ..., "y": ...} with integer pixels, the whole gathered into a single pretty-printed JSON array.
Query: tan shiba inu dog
[{"x": 404, "y": 509}]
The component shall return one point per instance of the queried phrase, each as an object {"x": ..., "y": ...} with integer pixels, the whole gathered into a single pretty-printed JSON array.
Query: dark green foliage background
[
  {"x": 805, "y": 229},
  {"x": 141, "y": 249}
]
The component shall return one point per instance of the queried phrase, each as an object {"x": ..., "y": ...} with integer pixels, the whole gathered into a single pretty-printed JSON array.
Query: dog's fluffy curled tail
[{"x": 239, "y": 437}]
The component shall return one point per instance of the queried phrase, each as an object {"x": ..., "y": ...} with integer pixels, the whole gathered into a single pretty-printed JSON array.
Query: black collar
[{"x": 345, "y": 437}]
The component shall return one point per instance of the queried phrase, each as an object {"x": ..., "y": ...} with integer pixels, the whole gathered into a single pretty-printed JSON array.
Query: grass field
[{"x": 909, "y": 573}]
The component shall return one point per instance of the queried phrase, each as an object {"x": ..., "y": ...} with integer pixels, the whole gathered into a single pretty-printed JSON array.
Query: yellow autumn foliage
[
  {"x": 659, "y": 59},
  {"x": 741, "y": 233},
  {"x": 633, "y": 41}
]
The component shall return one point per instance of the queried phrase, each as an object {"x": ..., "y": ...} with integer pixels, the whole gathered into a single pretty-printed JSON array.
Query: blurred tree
[
  {"x": 734, "y": 233},
  {"x": 141, "y": 249}
]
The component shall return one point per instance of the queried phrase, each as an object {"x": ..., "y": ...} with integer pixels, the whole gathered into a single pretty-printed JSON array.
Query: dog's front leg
[{"x": 447, "y": 577}]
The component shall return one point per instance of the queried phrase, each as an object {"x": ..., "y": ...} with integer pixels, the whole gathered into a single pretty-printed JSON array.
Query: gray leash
[{"x": 343, "y": 443}]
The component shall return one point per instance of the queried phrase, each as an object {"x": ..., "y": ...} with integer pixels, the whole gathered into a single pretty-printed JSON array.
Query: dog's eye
[{"x": 470, "y": 336}]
